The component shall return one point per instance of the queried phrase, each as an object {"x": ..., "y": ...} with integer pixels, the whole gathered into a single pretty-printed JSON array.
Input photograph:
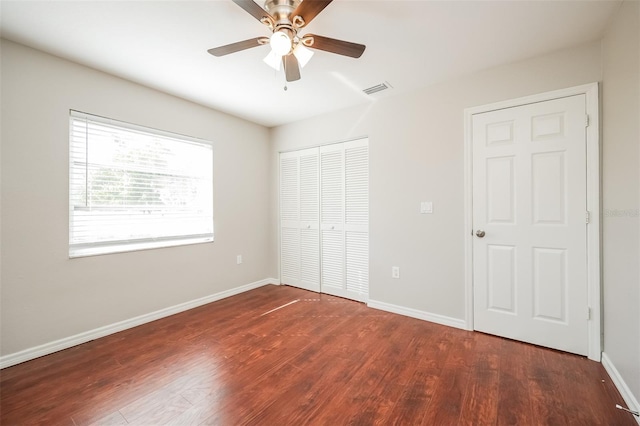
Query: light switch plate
[{"x": 426, "y": 207}]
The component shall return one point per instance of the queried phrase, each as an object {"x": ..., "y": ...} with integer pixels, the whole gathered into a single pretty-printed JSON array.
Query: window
[{"x": 132, "y": 187}]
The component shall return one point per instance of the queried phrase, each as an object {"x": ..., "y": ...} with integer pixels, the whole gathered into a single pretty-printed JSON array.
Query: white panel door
[
  {"x": 529, "y": 200},
  {"x": 299, "y": 219}
]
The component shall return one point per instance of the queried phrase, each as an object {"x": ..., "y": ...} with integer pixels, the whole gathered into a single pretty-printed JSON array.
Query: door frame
[{"x": 594, "y": 286}]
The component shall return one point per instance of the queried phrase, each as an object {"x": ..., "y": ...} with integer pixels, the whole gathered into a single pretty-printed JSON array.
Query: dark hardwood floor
[{"x": 319, "y": 361}]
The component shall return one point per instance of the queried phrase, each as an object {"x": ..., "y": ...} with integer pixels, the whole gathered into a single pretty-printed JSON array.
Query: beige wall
[
  {"x": 416, "y": 154},
  {"x": 621, "y": 193},
  {"x": 45, "y": 296}
]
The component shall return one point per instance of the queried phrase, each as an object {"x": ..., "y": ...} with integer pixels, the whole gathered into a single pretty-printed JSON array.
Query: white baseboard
[
  {"x": 415, "y": 313},
  {"x": 67, "y": 342},
  {"x": 619, "y": 382}
]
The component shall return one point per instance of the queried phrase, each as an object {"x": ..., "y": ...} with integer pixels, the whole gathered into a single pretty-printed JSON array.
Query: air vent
[{"x": 377, "y": 88}]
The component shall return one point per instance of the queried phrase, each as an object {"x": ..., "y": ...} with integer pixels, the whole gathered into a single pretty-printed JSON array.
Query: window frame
[{"x": 96, "y": 247}]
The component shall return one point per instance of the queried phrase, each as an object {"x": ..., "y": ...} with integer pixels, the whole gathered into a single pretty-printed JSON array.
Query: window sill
[{"x": 124, "y": 247}]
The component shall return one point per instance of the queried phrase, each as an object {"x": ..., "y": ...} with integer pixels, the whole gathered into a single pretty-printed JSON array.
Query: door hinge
[
  {"x": 588, "y": 216},
  {"x": 588, "y": 312},
  {"x": 586, "y": 120}
]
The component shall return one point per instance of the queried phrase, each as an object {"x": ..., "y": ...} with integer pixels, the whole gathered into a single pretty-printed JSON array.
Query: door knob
[{"x": 480, "y": 233}]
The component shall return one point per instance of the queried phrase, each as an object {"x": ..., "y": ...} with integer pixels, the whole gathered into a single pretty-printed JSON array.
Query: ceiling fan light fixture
[
  {"x": 280, "y": 43},
  {"x": 288, "y": 50},
  {"x": 303, "y": 55},
  {"x": 273, "y": 60}
]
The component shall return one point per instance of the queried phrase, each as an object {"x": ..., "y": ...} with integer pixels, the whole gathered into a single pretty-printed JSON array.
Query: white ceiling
[{"x": 410, "y": 44}]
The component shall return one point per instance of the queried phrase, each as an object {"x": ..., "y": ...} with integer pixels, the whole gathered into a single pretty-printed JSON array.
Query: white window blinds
[{"x": 134, "y": 188}]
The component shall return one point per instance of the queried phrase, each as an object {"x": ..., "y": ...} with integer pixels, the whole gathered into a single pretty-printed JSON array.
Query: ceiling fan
[{"x": 285, "y": 18}]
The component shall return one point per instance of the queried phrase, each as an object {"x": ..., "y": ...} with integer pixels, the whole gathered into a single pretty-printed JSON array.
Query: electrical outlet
[
  {"x": 395, "y": 272},
  {"x": 239, "y": 259}
]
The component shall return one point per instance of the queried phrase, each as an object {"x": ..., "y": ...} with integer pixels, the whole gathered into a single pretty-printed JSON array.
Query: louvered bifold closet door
[
  {"x": 332, "y": 219},
  {"x": 289, "y": 219},
  {"x": 324, "y": 219},
  {"x": 299, "y": 219},
  {"x": 356, "y": 224},
  {"x": 309, "y": 219},
  {"x": 344, "y": 219}
]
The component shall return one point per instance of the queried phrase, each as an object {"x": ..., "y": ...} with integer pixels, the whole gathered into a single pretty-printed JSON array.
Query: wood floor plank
[
  {"x": 299, "y": 360},
  {"x": 453, "y": 380},
  {"x": 325, "y": 372},
  {"x": 114, "y": 419},
  {"x": 157, "y": 407},
  {"x": 513, "y": 393},
  {"x": 377, "y": 383},
  {"x": 577, "y": 383},
  {"x": 480, "y": 406},
  {"x": 320, "y": 360},
  {"x": 196, "y": 415}
]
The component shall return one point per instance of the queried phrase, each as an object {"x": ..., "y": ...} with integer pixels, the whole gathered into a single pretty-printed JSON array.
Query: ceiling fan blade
[
  {"x": 309, "y": 9},
  {"x": 238, "y": 46},
  {"x": 332, "y": 45},
  {"x": 291, "y": 68},
  {"x": 253, "y": 9}
]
